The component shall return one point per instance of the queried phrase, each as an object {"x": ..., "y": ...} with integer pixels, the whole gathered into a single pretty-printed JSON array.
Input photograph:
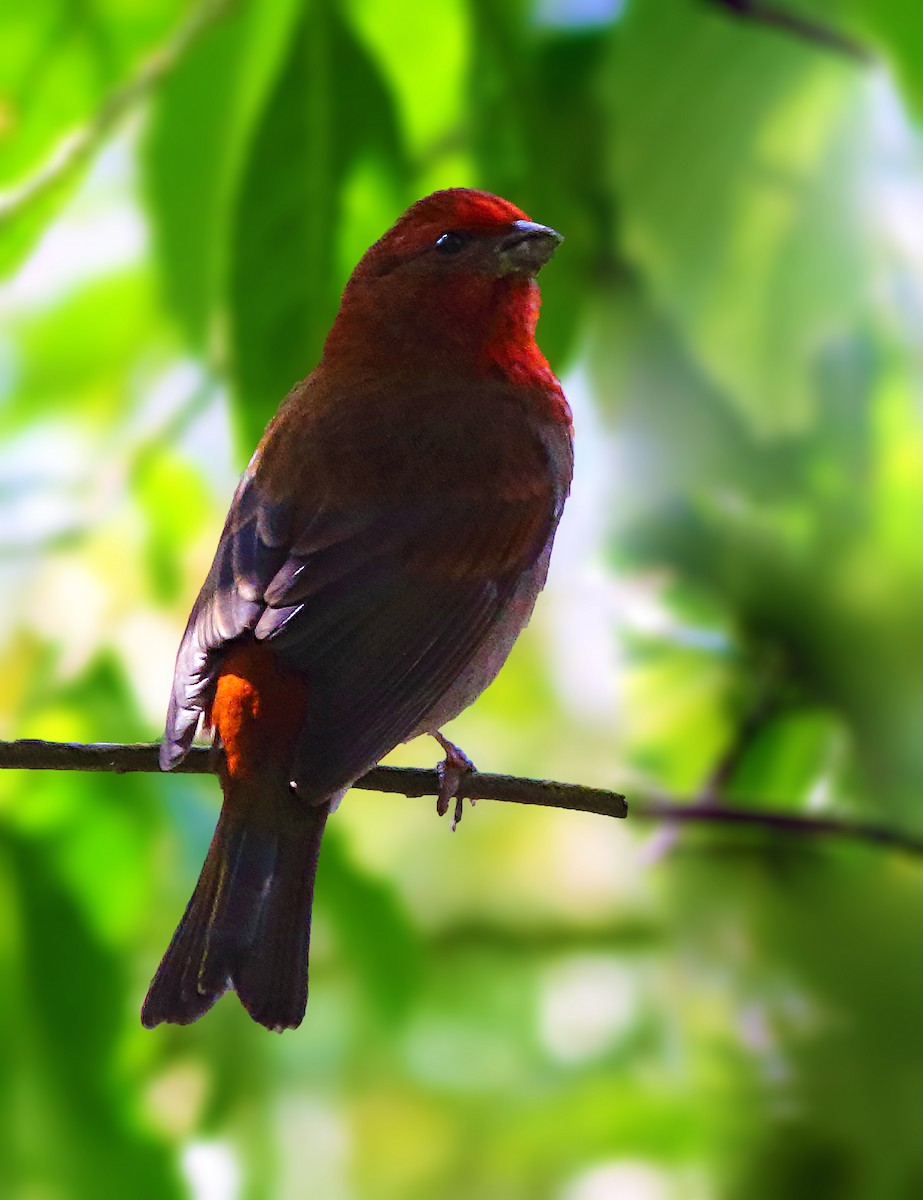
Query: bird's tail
[{"x": 248, "y": 924}]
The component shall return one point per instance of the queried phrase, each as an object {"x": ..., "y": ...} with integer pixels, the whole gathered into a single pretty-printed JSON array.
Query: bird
[{"x": 383, "y": 550}]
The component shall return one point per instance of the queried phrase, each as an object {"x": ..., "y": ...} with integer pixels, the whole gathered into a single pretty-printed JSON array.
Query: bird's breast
[{"x": 493, "y": 651}]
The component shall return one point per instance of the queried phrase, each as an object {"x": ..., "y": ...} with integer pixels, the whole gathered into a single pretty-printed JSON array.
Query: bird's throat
[{"x": 467, "y": 324}]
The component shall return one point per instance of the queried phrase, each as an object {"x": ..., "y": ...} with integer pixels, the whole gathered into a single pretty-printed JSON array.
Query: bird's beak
[{"x": 526, "y": 248}]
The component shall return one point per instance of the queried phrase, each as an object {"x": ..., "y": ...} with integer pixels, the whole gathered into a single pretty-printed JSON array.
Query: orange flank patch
[{"x": 258, "y": 710}]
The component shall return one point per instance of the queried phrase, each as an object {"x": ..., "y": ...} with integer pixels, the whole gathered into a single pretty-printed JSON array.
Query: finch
[{"x": 383, "y": 551}]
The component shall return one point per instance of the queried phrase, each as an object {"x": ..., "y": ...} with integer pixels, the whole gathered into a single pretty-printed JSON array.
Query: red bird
[{"x": 383, "y": 551}]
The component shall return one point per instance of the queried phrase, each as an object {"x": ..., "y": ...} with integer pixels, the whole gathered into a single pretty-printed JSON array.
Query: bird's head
[
  {"x": 451, "y": 282},
  {"x": 461, "y": 231}
]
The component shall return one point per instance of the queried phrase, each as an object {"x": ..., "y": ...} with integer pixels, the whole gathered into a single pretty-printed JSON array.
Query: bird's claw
[{"x": 451, "y": 771}]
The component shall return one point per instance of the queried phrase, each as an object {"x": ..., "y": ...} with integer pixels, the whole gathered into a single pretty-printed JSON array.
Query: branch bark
[{"x": 29, "y": 755}]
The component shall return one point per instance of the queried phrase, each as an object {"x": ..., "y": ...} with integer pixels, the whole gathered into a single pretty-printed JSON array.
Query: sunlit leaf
[
  {"x": 896, "y": 29},
  {"x": 80, "y": 354},
  {"x": 792, "y": 761},
  {"x": 59, "y": 68},
  {"x": 737, "y": 199}
]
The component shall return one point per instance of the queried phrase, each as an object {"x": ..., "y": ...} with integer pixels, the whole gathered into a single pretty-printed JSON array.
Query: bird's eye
[{"x": 452, "y": 241}]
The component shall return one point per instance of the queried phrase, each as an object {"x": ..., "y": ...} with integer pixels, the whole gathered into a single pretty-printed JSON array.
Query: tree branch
[
  {"x": 764, "y": 13},
  {"x": 28, "y": 755},
  {"x": 781, "y": 822},
  {"x": 74, "y": 150}
]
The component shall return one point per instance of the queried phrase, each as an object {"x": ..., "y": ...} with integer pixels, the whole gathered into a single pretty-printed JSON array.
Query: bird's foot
[{"x": 451, "y": 771}]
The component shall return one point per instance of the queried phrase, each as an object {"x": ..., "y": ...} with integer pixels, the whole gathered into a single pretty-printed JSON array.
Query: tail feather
[
  {"x": 272, "y": 979},
  {"x": 248, "y": 923}
]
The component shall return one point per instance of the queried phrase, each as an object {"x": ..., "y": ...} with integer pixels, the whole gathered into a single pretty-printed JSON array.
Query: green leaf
[
  {"x": 73, "y": 1135},
  {"x": 174, "y": 500},
  {"x": 736, "y": 162},
  {"x": 571, "y": 128},
  {"x": 791, "y": 756},
  {"x": 540, "y": 133},
  {"x": 426, "y": 68},
  {"x": 374, "y": 931},
  {"x": 201, "y": 126},
  {"x": 680, "y": 694},
  {"x": 329, "y": 112},
  {"x": 60, "y": 65},
  {"x": 895, "y": 28},
  {"x": 77, "y": 356}
]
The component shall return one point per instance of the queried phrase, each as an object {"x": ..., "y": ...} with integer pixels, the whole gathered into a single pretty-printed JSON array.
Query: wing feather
[{"x": 382, "y": 598}]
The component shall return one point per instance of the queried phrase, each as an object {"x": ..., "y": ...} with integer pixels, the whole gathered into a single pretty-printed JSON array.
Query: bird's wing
[{"x": 381, "y": 588}]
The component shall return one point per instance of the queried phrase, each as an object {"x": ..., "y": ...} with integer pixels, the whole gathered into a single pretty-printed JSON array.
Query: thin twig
[
  {"x": 74, "y": 150},
  {"x": 779, "y": 821},
  {"x": 30, "y": 755},
  {"x": 763, "y": 13}
]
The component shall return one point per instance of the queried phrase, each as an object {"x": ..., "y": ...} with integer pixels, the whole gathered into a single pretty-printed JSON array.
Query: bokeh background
[{"x": 545, "y": 1006}]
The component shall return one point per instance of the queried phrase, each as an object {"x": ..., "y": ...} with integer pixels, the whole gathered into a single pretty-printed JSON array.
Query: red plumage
[{"x": 383, "y": 550}]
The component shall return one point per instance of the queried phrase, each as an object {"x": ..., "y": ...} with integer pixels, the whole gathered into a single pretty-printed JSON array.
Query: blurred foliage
[{"x": 545, "y": 1006}]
